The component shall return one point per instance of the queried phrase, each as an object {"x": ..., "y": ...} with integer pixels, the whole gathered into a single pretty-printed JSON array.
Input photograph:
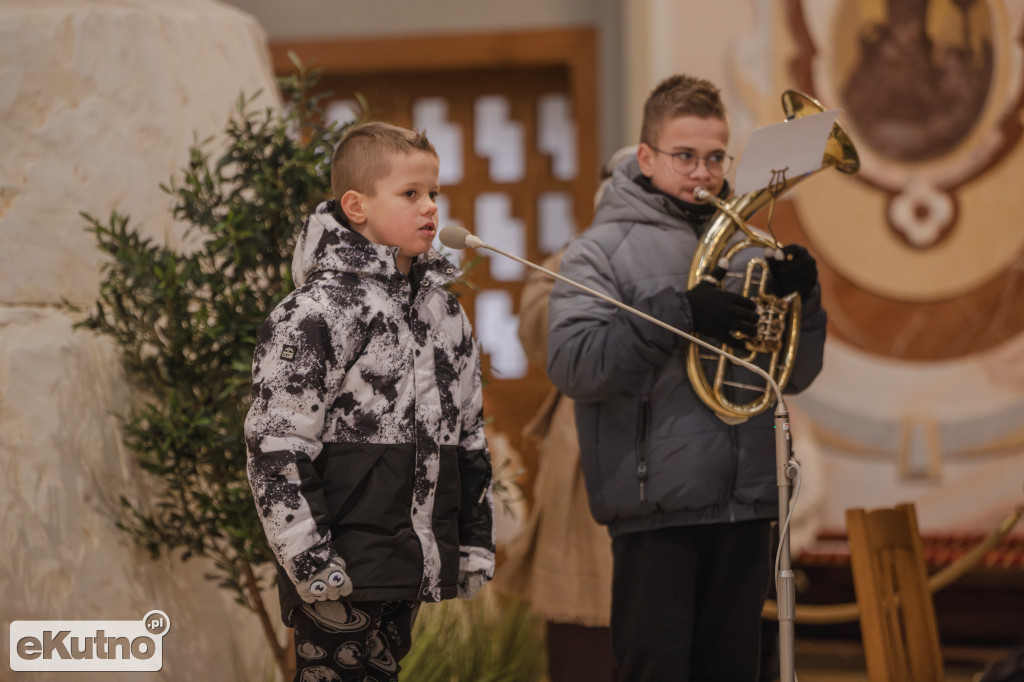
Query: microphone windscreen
[{"x": 454, "y": 236}]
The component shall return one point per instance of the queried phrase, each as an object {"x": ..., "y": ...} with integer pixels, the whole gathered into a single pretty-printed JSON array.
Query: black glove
[
  {"x": 717, "y": 313},
  {"x": 795, "y": 271}
]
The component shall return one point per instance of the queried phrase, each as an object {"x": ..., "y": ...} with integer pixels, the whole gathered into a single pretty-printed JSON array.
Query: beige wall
[
  {"x": 349, "y": 18},
  {"x": 664, "y": 37},
  {"x": 100, "y": 102}
]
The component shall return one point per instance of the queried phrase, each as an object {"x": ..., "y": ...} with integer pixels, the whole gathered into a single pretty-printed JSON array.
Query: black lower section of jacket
[{"x": 367, "y": 504}]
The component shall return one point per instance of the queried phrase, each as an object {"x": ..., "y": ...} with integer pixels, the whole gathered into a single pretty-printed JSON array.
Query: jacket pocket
[{"x": 345, "y": 471}]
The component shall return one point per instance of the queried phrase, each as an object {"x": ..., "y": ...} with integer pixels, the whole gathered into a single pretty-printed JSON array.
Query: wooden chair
[{"x": 897, "y": 615}]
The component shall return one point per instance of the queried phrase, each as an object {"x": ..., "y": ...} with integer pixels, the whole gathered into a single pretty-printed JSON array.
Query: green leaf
[{"x": 186, "y": 323}]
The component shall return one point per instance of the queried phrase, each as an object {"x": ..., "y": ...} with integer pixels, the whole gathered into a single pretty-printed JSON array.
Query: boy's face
[
  {"x": 402, "y": 211},
  {"x": 699, "y": 136}
]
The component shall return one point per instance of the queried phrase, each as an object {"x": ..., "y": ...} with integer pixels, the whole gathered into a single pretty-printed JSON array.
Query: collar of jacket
[
  {"x": 697, "y": 215},
  {"x": 326, "y": 244}
]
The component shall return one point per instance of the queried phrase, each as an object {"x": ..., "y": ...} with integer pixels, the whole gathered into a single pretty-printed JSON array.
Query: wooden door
[{"x": 513, "y": 118}]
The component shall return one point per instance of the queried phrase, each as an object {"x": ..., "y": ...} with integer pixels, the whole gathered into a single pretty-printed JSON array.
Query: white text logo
[{"x": 101, "y": 645}]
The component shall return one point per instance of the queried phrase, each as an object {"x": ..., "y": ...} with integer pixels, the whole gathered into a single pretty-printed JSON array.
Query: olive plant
[{"x": 185, "y": 322}]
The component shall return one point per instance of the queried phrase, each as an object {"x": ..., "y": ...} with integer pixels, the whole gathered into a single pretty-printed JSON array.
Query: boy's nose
[{"x": 701, "y": 169}]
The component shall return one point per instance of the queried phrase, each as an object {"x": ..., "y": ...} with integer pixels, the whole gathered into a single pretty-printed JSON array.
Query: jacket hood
[
  {"x": 327, "y": 245},
  {"x": 630, "y": 198}
]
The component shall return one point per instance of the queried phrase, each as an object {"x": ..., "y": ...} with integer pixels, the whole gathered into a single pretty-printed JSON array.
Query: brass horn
[{"x": 778, "y": 328}]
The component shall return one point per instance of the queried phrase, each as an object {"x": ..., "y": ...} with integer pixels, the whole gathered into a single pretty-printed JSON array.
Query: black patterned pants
[{"x": 339, "y": 641}]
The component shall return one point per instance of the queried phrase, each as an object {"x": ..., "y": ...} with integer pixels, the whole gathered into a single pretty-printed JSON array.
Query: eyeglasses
[{"x": 685, "y": 162}]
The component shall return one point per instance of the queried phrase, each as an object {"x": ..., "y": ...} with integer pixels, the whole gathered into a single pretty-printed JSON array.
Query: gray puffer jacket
[{"x": 653, "y": 454}]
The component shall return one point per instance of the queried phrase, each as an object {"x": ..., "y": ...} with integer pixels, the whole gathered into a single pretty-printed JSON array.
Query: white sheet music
[{"x": 795, "y": 147}]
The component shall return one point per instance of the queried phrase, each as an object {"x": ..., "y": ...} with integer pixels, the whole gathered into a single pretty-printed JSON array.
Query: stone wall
[{"x": 99, "y": 102}]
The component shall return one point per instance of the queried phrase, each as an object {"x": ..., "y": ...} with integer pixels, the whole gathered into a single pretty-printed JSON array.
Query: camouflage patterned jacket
[{"x": 365, "y": 435}]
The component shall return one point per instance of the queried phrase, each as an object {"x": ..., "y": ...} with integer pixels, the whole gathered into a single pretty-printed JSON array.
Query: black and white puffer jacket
[{"x": 366, "y": 429}]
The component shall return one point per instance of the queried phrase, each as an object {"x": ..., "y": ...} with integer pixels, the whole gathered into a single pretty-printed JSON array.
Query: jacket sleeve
[
  {"x": 811, "y": 345},
  {"x": 292, "y": 371},
  {"x": 596, "y": 349},
  {"x": 476, "y": 511}
]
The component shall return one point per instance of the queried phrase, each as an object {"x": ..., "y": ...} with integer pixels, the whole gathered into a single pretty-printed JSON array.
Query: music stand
[
  {"x": 794, "y": 147},
  {"x": 773, "y": 154}
]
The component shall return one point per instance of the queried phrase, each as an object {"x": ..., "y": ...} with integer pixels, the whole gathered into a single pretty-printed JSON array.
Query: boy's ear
[
  {"x": 352, "y": 204},
  {"x": 645, "y": 157}
]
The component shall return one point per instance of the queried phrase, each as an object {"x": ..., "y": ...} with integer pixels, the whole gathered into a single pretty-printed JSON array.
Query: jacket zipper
[{"x": 641, "y": 447}]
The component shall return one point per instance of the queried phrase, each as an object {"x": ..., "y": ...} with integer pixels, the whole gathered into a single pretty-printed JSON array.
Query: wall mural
[
  {"x": 921, "y": 259},
  {"x": 919, "y": 79},
  {"x": 916, "y": 89},
  {"x": 931, "y": 91}
]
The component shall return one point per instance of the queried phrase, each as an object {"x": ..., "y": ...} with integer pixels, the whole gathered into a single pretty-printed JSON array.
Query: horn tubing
[{"x": 731, "y": 216}]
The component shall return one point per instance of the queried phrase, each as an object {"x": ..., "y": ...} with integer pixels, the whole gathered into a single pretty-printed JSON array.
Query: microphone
[{"x": 456, "y": 237}]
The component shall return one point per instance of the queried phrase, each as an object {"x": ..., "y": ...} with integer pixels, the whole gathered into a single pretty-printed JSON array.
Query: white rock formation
[{"x": 99, "y": 102}]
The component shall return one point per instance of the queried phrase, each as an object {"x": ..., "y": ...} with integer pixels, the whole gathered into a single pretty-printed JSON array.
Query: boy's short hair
[
  {"x": 676, "y": 96},
  {"x": 363, "y": 156}
]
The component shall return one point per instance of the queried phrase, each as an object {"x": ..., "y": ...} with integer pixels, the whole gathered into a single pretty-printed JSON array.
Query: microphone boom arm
[
  {"x": 476, "y": 242},
  {"x": 785, "y": 469}
]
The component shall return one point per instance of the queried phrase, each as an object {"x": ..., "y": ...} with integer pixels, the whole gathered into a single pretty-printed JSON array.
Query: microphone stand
[{"x": 785, "y": 584}]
